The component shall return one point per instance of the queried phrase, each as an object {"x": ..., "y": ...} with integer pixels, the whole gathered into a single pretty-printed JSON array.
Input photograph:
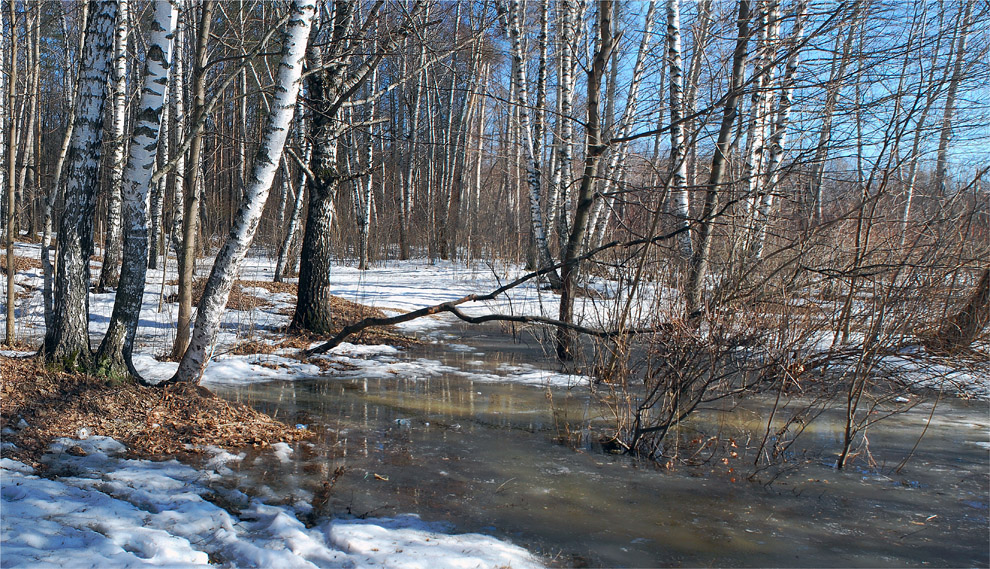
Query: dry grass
[
  {"x": 21, "y": 264},
  {"x": 152, "y": 422},
  {"x": 238, "y": 300}
]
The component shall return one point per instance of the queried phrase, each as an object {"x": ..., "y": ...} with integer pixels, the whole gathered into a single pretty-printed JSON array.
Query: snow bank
[{"x": 101, "y": 511}]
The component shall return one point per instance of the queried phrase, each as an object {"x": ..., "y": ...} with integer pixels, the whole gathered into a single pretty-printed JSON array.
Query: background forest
[{"x": 807, "y": 180}]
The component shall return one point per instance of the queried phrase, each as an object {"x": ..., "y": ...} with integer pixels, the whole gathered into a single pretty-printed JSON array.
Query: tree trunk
[
  {"x": 942, "y": 159},
  {"x": 678, "y": 156},
  {"x": 10, "y": 148},
  {"x": 698, "y": 269},
  {"x": 231, "y": 255},
  {"x": 112, "y": 251},
  {"x": 193, "y": 175},
  {"x": 157, "y": 201},
  {"x": 114, "y": 356},
  {"x": 962, "y": 329},
  {"x": 593, "y": 152},
  {"x": 778, "y": 133},
  {"x": 514, "y": 28},
  {"x": 67, "y": 341}
]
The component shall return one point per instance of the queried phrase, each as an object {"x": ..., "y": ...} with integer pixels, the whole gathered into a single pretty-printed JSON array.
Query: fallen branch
[{"x": 451, "y": 306}]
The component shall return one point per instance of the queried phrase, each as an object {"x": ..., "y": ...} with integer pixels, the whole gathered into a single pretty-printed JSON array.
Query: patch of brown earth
[
  {"x": 151, "y": 421},
  {"x": 21, "y": 264},
  {"x": 238, "y": 300}
]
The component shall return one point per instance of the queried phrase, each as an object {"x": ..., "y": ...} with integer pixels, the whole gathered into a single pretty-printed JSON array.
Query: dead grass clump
[
  {"x": 151, "y": 421},
  {"x": 253, "y": 346},
  {"x": 238, "y": 300},
  {"x": 21, "y": 264},
  {"x": 271, "y": 286}
]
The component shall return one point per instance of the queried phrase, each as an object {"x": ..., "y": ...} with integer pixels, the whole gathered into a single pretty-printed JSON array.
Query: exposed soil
[
  {"x": 238, "y": 299},
  {"x": 151, "y": 421},
  {"x": 21, "y": 264}
]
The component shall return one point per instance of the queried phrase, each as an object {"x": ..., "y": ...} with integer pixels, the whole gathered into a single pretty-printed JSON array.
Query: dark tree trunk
[{"x": 67, "y": 341}]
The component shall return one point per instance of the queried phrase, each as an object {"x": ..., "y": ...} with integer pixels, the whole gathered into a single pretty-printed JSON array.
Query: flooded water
[{"x": 482, "y": 457}]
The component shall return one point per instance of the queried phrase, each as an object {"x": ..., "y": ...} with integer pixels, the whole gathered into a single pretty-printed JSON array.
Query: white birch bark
[
  {"x": 114, "y": 356},
  {"x": 67, "y": 340},
  {"x": 945, "y": 136},
  {"x": 110, "y": 271},
  {"x": 778, "y": 132},
  {"x": 681, "y": 205},
  {"x": 562, "y": 176},
  {"x": 157, "y": 201},
  {"x": 231, "y": 255},
  {"x": 615, "y": 167},
  {"x": 534, "y": 177},
  {"x": 701, "y": 37},
  {"x": 363, "y": 188},
  {"x": 55, "y": 192},
  {"x": 178, "y": 128},
  {"x": 302, "y": 135},
  {"x": 759, "y": 116}
]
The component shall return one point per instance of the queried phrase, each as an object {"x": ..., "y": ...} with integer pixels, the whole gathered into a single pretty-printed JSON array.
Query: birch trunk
[
  {"x": 759, "y": 111},
  {"x": 266, "y": 162},
  {"x": 945, "y": 136},
  {"x": 157, "y": 201},
  {"x": 560, "y": 185},
  {"x": 513, "y": 27},
  {"x": 290, "y": 232},
  {"x": 114, "y": 356},
  {"x": 10, "y": 148},
  {"x": 593, "y": 152},
  {"x": 678, "y": 157},
  {"x": 615, "y": 168},
  {"x": 778, "y": 133},
  {"x": 178, "y": 130},
  {"x": 363, "y": 189},
  {"x": 698, "y": 269},
  {"x": 110, "y": 271},
  {"x": 67, "y": 340}
]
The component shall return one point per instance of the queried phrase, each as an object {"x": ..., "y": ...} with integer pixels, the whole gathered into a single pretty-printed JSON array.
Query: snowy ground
[
  {"x": 101, "y": 510},
  {"x": 105, "y": 511}
]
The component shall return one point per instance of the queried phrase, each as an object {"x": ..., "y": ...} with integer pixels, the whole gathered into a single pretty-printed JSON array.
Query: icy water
[{"x": 482, "y": 457}]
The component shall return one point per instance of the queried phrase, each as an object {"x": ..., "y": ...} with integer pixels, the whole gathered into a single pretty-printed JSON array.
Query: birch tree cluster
[{"x": 727, "y": 150}]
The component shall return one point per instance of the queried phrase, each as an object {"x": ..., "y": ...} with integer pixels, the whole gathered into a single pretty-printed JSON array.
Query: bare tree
[
  {"x": 114, "y": 355},
  {"x": 113, "y": 249},
  {"x": 67, "y": 340},
  {"x": 266, "y": 162}
]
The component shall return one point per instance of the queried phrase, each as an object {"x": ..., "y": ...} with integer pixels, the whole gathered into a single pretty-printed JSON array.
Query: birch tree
[
  {"x": 594, "y": 148},
  {"x": 231, "y": 255},
  {"x": 8, "y": 165},
  {"x": 67, "y": 340},
  {"x": 114, "y": 356},
  {"x": 698, "y": 268},
  {"x": 778, "y": 132},
  {"x": 297, "y": 204},
  {"x": 945, "y": 134},
  {"x": 511, "y": 15},
  {"x": 110, "y": 271},
  {"x": 191, "y": 184},
  {"x": 678, "y": 154}
]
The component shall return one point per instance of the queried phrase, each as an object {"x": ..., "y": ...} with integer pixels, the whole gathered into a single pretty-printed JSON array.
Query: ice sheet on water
[{"x": 116, "y": 512}]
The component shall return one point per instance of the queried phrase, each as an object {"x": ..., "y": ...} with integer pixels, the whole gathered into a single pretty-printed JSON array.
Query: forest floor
[{"x": 84, "y": 471}]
